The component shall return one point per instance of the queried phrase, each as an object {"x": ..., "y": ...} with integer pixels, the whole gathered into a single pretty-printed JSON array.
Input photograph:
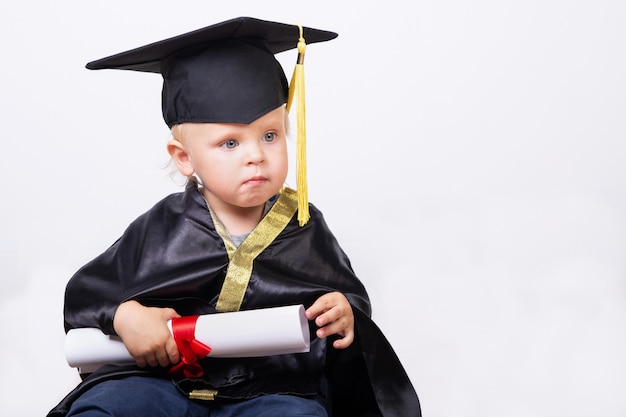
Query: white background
[{"x": 468, "y": 155}]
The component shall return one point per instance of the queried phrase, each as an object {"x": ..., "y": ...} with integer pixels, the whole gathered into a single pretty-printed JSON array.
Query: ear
[{"x": 180, "y": 156}]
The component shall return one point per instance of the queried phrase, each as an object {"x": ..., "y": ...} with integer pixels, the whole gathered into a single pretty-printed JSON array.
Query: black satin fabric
[{"x": 172, "y": 256}]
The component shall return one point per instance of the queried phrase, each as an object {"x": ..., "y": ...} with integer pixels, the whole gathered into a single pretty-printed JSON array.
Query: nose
[{"x": 255, "y": 154}]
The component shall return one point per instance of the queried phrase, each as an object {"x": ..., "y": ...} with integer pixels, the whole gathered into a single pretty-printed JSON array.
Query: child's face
[{"x": 239, "y": 165}]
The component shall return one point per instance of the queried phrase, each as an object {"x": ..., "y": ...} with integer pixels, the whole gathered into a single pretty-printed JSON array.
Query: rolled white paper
[{"x": 250, "y": 333}]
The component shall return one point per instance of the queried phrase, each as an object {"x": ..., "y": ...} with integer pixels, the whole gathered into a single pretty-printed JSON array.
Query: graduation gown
[{"x": 174, "y": 256}]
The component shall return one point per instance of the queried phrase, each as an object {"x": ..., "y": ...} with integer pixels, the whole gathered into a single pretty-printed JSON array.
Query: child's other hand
[
  {"x": 333, "y": 315},
  {"x": 145, "y": 334}
]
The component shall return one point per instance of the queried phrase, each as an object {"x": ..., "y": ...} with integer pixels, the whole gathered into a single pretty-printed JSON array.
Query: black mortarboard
[
  {"x": 227, "y": 73},
  {"x": 222, "y": 73}
]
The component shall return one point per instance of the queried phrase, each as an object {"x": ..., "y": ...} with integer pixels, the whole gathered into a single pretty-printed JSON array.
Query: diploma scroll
[{"x": 249, "y": 333}]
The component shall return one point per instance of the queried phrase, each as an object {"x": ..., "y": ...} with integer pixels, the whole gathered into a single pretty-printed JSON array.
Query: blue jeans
[{"x": 151, "y": 397}]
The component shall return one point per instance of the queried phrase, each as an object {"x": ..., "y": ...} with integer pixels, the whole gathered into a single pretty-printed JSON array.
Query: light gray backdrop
[{"x": 469, "y": 155}]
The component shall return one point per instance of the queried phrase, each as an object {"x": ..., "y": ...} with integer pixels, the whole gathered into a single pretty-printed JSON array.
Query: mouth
[{"x": 255, "y": 180}]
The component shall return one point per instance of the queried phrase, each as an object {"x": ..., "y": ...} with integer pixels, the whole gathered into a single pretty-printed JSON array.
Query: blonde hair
[{"x": 177, "y": 132}]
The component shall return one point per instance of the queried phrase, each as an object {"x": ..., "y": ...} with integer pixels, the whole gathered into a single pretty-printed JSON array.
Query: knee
[{"x": 133, "y": 396}]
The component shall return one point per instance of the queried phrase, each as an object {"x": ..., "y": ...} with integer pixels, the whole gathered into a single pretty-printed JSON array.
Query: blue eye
[
  {"x": 229, "y": 144},
  {"x": 269, "y": 137}
]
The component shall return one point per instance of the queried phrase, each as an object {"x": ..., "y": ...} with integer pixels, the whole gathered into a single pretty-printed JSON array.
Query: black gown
[{"x": 173, "y": 256}]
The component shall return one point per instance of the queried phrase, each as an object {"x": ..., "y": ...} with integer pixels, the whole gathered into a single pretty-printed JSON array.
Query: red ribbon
[{"x": 190, "y": 349}]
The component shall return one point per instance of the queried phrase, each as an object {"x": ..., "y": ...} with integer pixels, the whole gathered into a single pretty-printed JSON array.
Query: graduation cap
[{"x": 227, "y": 73}]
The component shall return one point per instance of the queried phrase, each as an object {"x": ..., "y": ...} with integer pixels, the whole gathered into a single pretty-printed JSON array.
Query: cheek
[
  {"x": 282, "y": 163},
  {"x": 207, "y": 168},
  {"x": 215, "y": 177}
]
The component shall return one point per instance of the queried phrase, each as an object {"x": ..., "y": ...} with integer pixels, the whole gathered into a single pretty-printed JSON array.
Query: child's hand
[
  {"x": 333, "y": 314},
  {"x": 145, "y": 334}
]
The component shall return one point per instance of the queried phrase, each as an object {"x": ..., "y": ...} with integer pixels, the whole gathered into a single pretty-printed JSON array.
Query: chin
[{"x": 255, "y": 200}]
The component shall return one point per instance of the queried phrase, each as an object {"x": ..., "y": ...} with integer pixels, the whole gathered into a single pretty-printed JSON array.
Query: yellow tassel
[{"x": 296, "y": 88}]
